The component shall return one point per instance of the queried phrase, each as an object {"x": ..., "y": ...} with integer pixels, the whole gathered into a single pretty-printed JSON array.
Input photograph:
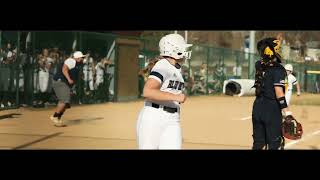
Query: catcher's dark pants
[{"x": 266, "y": 120}]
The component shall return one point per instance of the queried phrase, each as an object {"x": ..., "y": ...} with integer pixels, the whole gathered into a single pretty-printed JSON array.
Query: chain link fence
[
  {"x": 26, "y": 79},
  {"x": 28, "y": 61}
]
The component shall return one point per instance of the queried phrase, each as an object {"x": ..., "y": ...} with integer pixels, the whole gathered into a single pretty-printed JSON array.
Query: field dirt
[{"x": 208, "y": 122}]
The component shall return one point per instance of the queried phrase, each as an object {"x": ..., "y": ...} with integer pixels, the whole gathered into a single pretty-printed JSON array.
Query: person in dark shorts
[{"x": 63, "y": 80}]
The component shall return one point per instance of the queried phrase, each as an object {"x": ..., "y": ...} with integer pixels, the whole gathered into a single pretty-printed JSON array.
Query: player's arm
[
  {"x": 65, "y": 71},
  {"x": 282, "y": 100},
  {"x": 151, "y": 91},
  {"x": 279, "y": 83}
]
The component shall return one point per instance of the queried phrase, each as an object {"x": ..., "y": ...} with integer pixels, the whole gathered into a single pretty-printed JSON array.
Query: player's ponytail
[{"x": 153, "y": 62}]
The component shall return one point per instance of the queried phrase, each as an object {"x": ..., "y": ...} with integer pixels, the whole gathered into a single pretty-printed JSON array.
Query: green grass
[{"x": 306, "y": 99}]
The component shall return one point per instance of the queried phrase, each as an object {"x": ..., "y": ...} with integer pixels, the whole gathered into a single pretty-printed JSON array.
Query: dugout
[{"x": 127, "y": 49}]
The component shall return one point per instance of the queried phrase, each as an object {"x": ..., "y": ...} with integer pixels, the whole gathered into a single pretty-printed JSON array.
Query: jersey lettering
[
  {"x": 175, "y": 85},
  {"x": 181, "y": 86},
  {"x": 170, "y": 85}
]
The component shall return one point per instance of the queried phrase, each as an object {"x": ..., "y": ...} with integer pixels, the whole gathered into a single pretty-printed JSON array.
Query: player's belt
[{"x": 165, "y": 108}]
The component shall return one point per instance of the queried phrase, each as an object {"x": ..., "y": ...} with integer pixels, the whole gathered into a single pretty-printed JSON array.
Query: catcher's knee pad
[{"x": 68, "y": 106}]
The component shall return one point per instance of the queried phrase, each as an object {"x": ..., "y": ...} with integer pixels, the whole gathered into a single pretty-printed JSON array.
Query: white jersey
[
  {"x": 71, "y": 63},
  {"x": 100, "y": 69},
  {"x": 290, "y": 81},
  {"x": 171, "y": 80},
  {"x": 88, "y": 69},
  {"x": 87, "y": 65}
]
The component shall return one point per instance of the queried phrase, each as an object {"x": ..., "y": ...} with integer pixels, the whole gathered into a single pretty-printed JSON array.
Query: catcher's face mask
[{"x": 292, "y": 129}]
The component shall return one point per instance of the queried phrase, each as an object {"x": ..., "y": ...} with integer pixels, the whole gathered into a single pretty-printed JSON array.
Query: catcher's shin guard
[
  {"x": 276, "y": 144},
  {"x": 258, "y": 146}
]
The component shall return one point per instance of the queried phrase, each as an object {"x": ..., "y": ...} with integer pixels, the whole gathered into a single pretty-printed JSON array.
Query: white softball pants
[
  {"x": 99, "y": 81},
  {"x": 43, "y": 81},
  {"x": 158, "y": 129},
  {"x": 88, "y": 76}
]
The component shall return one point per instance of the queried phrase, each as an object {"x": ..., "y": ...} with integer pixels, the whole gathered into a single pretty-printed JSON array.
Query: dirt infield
[{"x": 208, "y": 122}]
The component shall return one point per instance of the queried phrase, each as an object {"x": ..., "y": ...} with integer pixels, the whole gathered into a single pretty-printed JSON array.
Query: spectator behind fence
[
  {"x": 237, "y": 70},
  {"x": 200, "y": 80},
  {"x": 45, "y": 64},
  {"x": 88, "y": 73},
  {"x": 55, "y": 56},
  {"x": 101, "y": 73},
  {"x": 7, "y": 76},
  {"x": 188, "y": 79},
  {"x": 203, "y": 72}
]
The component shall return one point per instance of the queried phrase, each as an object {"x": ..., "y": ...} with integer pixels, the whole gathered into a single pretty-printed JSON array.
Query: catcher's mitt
[{"x": 291, "y": 128}]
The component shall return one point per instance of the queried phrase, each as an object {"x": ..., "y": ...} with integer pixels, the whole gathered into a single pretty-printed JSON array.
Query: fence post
[
  {"x": 116, "y": 68},
  {"x": 80, "y": 41},
  {"x": 189, "y": 75},
  {"x": 208, "y": 54},
  {"x": 17, "y": 69},
  {"x": 33, "y": 44},
  {"x": 252, "y": 52},
  {"x": 305, "y": 80},
  {"x": 249, "y": 68}
]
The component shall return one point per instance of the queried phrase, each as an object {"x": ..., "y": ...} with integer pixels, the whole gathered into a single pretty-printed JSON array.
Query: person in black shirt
[
  {"x": 270, "y": 97},
  {"x": 65, "y": 77}
]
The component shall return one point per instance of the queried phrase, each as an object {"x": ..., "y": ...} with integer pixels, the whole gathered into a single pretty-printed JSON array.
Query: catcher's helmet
[
  {"x": 269, "y": 48},
  {"x": 174, "y": 45},
  {"x": 292, "y": 129}
]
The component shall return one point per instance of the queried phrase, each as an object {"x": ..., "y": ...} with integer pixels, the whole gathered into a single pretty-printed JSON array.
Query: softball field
[{"x": 208, "y": 122}]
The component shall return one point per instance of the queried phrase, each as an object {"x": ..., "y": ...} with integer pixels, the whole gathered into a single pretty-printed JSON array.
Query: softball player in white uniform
[
  {"x": 88, "y": 71},
  {"x": 158, "y": 125},
  {"x": 290, "y": 81},
  {"x": 45, "y": 65},
  {"x": 100, "y": 70},
  {"x": 44, "y": 77}
]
